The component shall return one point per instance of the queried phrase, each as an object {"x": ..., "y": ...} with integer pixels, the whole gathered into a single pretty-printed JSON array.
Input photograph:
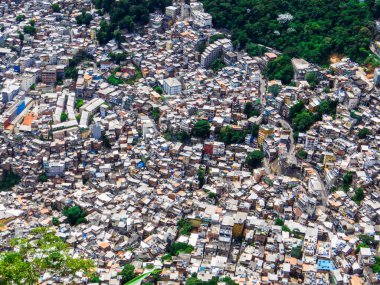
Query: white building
[
  {"x": 56, "y": 168},
  {"x": 214, "y": 51},
  {"x": 171, "y": 11},
  {"x": 172, "y": 86},
  {"x": 376, "y": 77},
  {"x": 10, "y": 90},
  {"x": 28, "y": 79}
]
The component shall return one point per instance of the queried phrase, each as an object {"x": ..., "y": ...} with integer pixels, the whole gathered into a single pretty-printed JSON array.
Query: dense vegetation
[
  {"x": 75, "y": 215},
  {"x": 184, "y": 227},
  {"x": 180, "y": 247},
  {"x": 9, "y": 180},
  {"x": 302, "y": 119},
  {"x": 201, "y": 173},
  {"x": 281, "y": 69},
  {"x": 84, "y": 18},
  {"x": 71, "y": 71},
  {"x": 311, "y": 29},
  {"x": 193, "y": 280},
  {"x": 201, "y": 129},
  {"x": 363, "y": 133},
  {"x": 128, "y": 273},
  {"x": 125, "y": 14},
  {"x": 21, "y": 265},
  {"x": 254, "y": 159}
]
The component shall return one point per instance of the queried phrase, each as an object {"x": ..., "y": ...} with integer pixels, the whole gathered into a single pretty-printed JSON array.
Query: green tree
[
  {"x": 75, "y": 215},
  {"x": 64, "y": 117},
  {"x": 312, "y": 79},
  {"x": 158, "y": 89},
  {"x": 358, "y": 196},
  {"x": 281, "y": 68},
  {"x": 363, "y": 133},
  {"x": 128, "y": 23},
  {"x": 302, "y": 154},
  {"x": 255, "y": 49},
  {"x": 255, "y": 130},
  {"x": 106, "y": 142},
  {"x": 55, "y": 221},
  {"x": 315, "y": 32},
  {"x": 113, "y": 80},
  {"x": 254, "y": 159},
  {"x": 285, "y": 228},
  {"x": 95, "y": 279},
  {"x": 216, "y": 37},
  {"x": 248, "y": 109},
  {"x": 117, "y": 57},
  {"x": 184, "y": 227},
  {"x": 201, "y": 47},
  {"x": 303, "y": 121},
  {"x": 229, "y": 136},
  {"x": 156, "y": 114},
  {"x": 217, "y": 64},
  {"x": 128, "y": 273},
  {"x": 296, "y": 252},
  {"x": 201, "y": 129},
  {"x": 327, "y": 107},
  {"x": 38, "y": 253},
  {"x": 20, "y": 18},
  {"x": 347, "y": 180},
  {"x": 178, "y": 247},
  {"x": 201, "y": 173},
  {"x": 84, "y": 18},
  {"x": 274, "y": 90},
  {"x": 360, "y": 245},
  {"x": 71, "y": 72},
  {"x": 55, "y": 7},
  {"x": 279, "y": 222},
  {"x": 43, "y": 177},
  {"x": 30, "y": 30},
  {"x": 296, "y": 109},
  {"x": 182, "y": 136},
  {"x": 376, "y": 266},
  {"x": 9, "y": 180},
  {"x": 79, "y": 103}
]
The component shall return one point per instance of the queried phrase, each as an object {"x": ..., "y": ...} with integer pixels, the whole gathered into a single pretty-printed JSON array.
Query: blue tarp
[{"x": 140, "y": 164}]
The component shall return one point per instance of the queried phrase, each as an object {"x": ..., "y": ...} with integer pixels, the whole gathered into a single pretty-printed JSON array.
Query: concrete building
[
  {"x": 214, "y": 51},
  {"x": 49, "y": 75},
  {"x": 172, "y": 86}
]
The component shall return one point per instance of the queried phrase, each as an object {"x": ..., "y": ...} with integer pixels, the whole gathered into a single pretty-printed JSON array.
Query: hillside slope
[{"x": 311, "y": 29}]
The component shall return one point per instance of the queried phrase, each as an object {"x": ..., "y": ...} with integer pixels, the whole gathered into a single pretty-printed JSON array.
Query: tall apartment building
[
  {"x": 214, "y": 51},
  {"x": 49, "y": 75}
]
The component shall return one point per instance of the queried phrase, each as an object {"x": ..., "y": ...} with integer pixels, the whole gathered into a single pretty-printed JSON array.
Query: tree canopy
[
  {"x": 128, "y": 273},
  {"x": 9, "y": 180},
  {"x": 84, "y": 18},
  {"x": 229, "y": 136},
  {"x": 40, "y": 252},
  {"x": 31, "y": 30},
  {"x": 201, "y": 173},
  {"x": 311, "y": 29},
  {"x": 55, "y": 7},
  {"x": 254, "y": 159},
  {"x": 201, "y": 129},
  {"x": 20, "y": 17},
  {"x": 125, "y": 14},
  {"x": 75, "y": 215},
  {"x": 363, "y": 133},
  {"x": 281, "y": 69}
]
